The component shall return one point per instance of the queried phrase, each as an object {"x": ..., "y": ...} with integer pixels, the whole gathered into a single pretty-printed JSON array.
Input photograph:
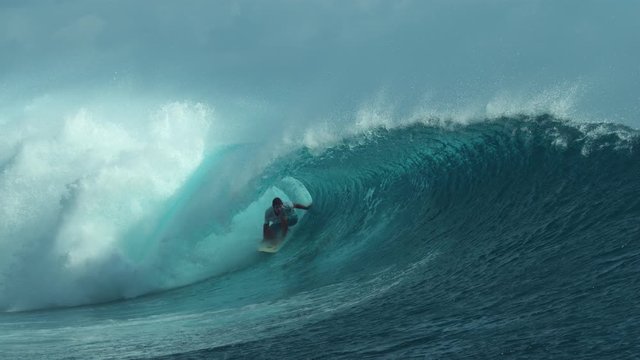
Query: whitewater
[{"x": 476, "y": 197}]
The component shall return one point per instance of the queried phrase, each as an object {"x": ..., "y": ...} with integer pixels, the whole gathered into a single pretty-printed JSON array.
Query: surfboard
[{"x": 271, "y": 247}]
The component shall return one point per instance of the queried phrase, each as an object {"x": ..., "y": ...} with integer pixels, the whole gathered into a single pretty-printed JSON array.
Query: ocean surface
[{"x": 473, "y": 170}]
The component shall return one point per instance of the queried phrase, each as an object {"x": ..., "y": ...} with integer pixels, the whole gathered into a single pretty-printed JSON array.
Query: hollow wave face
[{"x": 428, "y": 186}]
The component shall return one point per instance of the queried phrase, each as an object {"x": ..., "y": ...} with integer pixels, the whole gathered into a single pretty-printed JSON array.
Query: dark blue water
[{"x": 507, "y": 238}]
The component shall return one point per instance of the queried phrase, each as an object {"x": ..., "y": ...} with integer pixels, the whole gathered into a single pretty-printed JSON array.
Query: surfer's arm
[
  {"x": 266, "y": 232},
  {"x": 300, "y": 206}
]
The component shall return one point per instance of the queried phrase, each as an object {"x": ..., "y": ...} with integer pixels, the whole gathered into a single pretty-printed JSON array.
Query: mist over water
[
  {"x": 289, "y": 62},
  {"x": 140, "y": 143}
]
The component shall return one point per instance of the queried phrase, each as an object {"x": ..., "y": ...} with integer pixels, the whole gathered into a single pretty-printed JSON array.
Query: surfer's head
[
  {"x": 277, "y": 205},
  {"x": 277, "y": 202}
]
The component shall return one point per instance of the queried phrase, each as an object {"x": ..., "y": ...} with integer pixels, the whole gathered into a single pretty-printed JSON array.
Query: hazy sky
[{"x": 309, "y": 58}]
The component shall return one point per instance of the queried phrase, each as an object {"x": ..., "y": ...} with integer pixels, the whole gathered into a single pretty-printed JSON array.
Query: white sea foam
[{"x": 73, "y": 184}]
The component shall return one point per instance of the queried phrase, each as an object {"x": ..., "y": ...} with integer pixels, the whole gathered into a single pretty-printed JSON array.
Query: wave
[
  {"x": 381, "y": 197},
  {"x": 497, "y": 228}
]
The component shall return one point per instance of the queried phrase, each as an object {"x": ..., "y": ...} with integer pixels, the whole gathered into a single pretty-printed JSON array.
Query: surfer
[{"x": 279, "y": 218}]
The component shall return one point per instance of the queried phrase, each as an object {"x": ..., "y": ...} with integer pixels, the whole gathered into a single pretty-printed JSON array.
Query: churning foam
[{"x": 70, "y": 188}]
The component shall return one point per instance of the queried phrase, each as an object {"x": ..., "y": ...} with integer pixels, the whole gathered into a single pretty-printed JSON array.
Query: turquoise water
[{"x": 473, "y": 169}]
